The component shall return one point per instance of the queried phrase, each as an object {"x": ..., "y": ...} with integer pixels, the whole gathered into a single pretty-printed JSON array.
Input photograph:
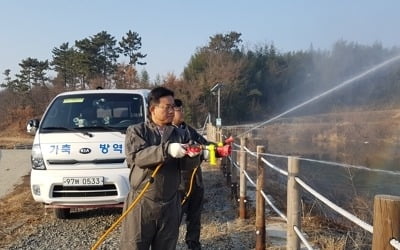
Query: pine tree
[{"x": 130, "y": 46}]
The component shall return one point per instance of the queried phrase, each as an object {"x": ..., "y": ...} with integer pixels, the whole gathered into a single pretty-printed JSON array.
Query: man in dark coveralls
[
  {"x": 193, "y": 202},
  {"x": 154, "y": 222}
]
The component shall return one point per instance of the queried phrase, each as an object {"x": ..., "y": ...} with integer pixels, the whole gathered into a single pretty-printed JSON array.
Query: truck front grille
[{"x": 84, "y": 191}]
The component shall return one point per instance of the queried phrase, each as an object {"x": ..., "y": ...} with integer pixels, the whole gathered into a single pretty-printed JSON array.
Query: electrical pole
[{"x": 217, "y": 87}]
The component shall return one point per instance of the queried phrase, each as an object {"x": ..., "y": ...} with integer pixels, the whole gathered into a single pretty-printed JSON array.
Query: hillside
[{"x": 13, "y": 136}]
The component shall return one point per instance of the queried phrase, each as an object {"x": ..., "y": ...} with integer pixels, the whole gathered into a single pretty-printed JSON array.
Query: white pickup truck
[{"x": 78, "y": 154}]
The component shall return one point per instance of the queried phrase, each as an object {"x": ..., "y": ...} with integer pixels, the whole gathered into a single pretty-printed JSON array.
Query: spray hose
[
  {"x": 221, "y": 151},
  {"x": 187, "y": 195},
  {"x": 124, "y": 214}
]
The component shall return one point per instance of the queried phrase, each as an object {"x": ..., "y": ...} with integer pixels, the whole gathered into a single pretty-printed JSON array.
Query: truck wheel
[{"x": 62, "y": 213}]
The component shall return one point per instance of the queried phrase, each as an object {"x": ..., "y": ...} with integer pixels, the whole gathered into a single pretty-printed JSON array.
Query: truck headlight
[{"x": 37, "y": 158}]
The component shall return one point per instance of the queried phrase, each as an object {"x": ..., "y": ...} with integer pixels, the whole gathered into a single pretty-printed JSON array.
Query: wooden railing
[{"x": 386, "y": 213}]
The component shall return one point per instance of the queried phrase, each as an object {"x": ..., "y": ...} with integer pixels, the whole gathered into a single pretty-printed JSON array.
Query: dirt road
[{"x": 13, "y": 165}]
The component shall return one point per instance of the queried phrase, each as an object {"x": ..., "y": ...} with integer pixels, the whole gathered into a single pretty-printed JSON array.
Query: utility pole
[{"x": 217, "y": 87}]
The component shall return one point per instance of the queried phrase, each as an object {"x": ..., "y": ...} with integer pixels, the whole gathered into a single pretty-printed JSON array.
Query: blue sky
[{"x": 172, "y": 30}]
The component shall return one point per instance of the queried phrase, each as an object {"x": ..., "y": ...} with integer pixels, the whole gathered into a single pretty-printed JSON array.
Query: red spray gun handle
[{"x": 193, "y": 149}]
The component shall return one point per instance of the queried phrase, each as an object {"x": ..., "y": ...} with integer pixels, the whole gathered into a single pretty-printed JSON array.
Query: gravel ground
[{"x": 220, "y": 228}]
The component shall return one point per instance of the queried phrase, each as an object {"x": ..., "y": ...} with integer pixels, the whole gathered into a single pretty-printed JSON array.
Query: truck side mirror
[{"x": 32, "y": 126}]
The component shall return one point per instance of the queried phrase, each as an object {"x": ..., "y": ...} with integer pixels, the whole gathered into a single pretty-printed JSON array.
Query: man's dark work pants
[
  {"x": 192, "y": 208},
  {"x": 159, "y": 225}
]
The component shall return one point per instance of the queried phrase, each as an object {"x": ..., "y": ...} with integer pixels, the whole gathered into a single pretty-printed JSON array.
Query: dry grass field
[{"x": 19, "y": 214}]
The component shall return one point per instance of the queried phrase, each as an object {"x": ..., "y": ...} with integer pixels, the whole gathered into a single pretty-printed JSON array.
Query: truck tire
[{"x": 62, "y": 213}]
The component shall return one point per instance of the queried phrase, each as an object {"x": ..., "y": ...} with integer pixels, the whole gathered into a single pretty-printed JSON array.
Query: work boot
[{"x": 193, "y": 245}]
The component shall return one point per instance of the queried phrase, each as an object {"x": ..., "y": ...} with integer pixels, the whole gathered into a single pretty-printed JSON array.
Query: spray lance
[
  {"x": 220, "y": 150},
  {"x": 214, "y": 151}
]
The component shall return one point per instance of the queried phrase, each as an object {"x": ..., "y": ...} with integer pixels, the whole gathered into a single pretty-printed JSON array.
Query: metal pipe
[{"x": 219, "y": 103}]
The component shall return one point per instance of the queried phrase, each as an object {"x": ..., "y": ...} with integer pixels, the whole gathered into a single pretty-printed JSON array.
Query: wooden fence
[{"x": 386, "y": 214}]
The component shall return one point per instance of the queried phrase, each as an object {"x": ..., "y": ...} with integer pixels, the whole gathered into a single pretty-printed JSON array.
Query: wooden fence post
[
  {"x": 386, "y": 221},
  {"x": 293, "y": 204},
  {"x": 243, "y": 183},
  {"x": 217, "y": 134},
  {"x": 260, "y": 202},
  {"x": 211, "y": 136}
]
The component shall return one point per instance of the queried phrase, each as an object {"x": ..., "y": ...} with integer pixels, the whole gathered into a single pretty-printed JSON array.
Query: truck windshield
[{"x": 94, "y": 112}]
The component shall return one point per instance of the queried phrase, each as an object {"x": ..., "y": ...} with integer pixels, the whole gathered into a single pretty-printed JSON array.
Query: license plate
[{"x": 83, "y": 181}]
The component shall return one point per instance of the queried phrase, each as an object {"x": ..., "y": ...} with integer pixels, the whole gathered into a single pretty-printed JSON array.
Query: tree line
[
  {"x": 262, "y": 82},
  {"x": 89, "y": 62},
  {"x": 256, "y": 82}
]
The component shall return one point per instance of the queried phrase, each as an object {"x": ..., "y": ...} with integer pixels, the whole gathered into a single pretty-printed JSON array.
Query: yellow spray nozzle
[{"x": 211, "y": 150}]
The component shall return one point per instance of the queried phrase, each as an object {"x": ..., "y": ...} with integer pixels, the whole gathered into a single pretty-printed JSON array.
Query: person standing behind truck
[
  {"x": 154, "y": 222},
  {"x": 193, "y": 201}
]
